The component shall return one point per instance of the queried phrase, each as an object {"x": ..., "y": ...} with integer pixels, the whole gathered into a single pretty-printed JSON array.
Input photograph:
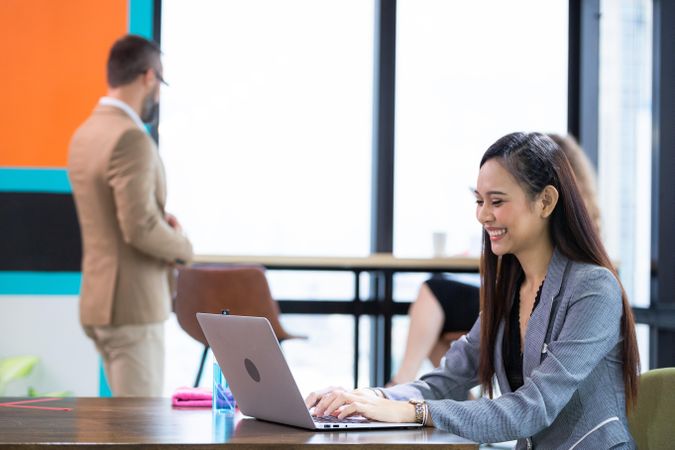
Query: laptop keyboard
[{"x": 334, "y": 419}]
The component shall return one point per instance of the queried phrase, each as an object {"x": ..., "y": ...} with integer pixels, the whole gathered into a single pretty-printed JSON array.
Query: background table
[
  {"x": 381, "y": 267},
  {"x": 140, "y": 423}
]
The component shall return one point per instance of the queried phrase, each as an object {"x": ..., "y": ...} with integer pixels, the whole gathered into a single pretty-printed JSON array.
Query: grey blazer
[{"x": 573, "y": 391}]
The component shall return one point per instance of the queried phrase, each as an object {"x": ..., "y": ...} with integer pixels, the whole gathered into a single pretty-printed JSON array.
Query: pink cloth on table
[{"x": 192, "y": 397}]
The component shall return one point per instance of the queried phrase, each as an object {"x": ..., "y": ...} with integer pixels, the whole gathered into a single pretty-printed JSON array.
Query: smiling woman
[
  {"x": 514, "y": 222},
  {"x": 555, "y": 328},
  {"x": 536, "y": 173}
]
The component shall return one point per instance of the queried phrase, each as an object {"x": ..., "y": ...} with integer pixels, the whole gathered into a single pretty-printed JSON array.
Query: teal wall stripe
[
  {"x": 103, "y": 386},
  {"x": 34, "y": 180},
  {"x": 140, "y": 17},
  {"x": 40, "y": 283}
]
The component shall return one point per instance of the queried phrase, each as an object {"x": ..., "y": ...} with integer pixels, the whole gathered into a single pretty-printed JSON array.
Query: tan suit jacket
[{"x": 120, "y": 190}]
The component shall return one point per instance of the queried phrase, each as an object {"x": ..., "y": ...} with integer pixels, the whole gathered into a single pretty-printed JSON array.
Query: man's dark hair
[{"x": 129, "y": 57}]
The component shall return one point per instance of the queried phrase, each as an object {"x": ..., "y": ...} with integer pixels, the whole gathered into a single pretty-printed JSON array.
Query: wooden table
[
  {"x": 377, "y": 261},
  {"x": 145, "y": 423},
  {"x": 382, "y": 267}
]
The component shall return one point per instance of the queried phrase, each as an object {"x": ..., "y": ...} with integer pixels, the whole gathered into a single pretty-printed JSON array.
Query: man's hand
[{"x": 173, "y": 222}]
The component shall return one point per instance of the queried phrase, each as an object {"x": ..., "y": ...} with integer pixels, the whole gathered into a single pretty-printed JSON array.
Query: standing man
[{"x": 129, "y": 242}]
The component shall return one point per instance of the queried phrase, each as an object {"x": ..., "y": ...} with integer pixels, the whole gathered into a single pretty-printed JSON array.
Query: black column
[
  {"x": 157, "y": 37},
  {"x": 663, "y": 188},
  {"x": 584, "y": 74},
  {"x": 382, "y": 208}
]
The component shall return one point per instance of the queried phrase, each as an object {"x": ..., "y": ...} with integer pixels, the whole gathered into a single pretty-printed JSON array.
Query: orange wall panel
[{"x": 53, "y": 55}]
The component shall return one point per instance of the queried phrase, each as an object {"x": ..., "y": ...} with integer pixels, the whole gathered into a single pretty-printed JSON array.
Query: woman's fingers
[
  {"x": 336, "y": 401},
  {"x": 333, "y": 400},
  {"x": 341, "y": 400},
  {"x": 350, "y": 409},
  {"x": 344, "y": 400},
  {"x": 314, "y": 397},
  {"x": 329, "y": 403},
  {"x": 323, "y": 402},
  {"x": 379, "y": 409}
]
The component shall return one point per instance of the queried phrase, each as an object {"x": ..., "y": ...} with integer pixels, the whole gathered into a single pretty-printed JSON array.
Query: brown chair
[{"x": 243, "y": 290}]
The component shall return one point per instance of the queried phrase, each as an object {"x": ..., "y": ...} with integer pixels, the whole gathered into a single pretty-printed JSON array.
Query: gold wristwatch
[{"x": 420, "y": 410}]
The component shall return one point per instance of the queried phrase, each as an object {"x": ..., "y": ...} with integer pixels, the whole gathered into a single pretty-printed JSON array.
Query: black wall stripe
[{"x": 39, "y": 232}]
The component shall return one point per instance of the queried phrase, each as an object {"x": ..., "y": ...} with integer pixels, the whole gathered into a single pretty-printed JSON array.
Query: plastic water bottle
[
  {"x": 223, "y": 401},
  {"x": 223, "y": 407}
]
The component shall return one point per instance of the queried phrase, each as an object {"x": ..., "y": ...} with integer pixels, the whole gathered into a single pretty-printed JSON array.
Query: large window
[
  {"x": 266, "y": 135},
  {"x": 625, "y": 156},
  {"x": 624, "y": 150},
  {"x": 466, "y": 74},
  {"x": 266, "y": 128}
]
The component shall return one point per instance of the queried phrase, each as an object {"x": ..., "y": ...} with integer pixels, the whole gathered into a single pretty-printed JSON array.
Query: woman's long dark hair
[{"x": 536, "y": 161}]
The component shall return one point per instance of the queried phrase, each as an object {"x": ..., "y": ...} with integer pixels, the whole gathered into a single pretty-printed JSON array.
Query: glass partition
[
  {"x": 266, "y": 127},
  {"x": 625, "y": 143},
  {"x": 466, "y": 74}
]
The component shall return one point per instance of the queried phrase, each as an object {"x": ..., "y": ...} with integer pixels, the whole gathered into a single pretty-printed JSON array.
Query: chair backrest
[
  {"x": 651, "y": 422},
  {"x": 243, "y": 290}
]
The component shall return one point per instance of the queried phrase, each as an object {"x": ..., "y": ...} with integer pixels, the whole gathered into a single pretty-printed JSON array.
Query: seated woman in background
[
  {"x": 555, "y": 329},
  {"x": 446, "y": 308}
]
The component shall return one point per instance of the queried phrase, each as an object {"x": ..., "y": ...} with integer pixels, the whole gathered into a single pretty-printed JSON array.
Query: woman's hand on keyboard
[
  {"x": 316, "y": 397},
  {"x": 365, "y": 402}
]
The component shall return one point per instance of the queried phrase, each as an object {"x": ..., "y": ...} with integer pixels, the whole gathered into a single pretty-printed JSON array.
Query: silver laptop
[{"x": 262, "y": 384}]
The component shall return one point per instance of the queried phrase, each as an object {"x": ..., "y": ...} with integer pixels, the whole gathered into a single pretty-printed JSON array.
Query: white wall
[{"x": 48, "y": 327}]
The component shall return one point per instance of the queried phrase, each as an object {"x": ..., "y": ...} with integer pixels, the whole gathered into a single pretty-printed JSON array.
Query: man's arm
[{"x": 131, "y": 174}]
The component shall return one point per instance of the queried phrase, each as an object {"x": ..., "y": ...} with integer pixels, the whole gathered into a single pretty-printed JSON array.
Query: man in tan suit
[{"x": 129, "y": 241}]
